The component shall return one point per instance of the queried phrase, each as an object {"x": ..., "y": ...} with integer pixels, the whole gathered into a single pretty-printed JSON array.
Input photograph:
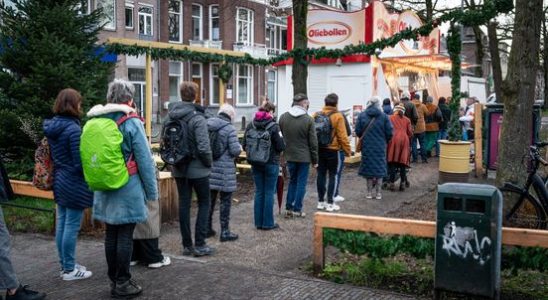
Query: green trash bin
[{"x": 468, "y": 240}]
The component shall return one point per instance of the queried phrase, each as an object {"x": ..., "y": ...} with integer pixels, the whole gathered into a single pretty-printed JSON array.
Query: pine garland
[{"x": 454, "y": 47}]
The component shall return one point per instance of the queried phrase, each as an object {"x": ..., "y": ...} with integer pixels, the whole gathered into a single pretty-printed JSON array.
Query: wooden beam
[
  {"x": 25, "y": 188},
  {"x": 160, "y": 45},
  {"x": 148, "y": 98},
  {"x": 478, "y": 139},
  {"x": 427, "y": 229}
]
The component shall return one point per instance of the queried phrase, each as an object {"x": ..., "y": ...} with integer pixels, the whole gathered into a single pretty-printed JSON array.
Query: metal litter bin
[{"x": 468, "y": 240}]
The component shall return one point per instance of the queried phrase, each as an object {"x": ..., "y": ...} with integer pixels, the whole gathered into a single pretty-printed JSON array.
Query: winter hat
[{"x": 399, "y": 107}]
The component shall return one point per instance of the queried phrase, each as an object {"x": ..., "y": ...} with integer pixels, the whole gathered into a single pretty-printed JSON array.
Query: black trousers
[
  {"x": 224, "y": 211},
  {"x": 118, "y": 250},
  {"x": 201, "y": 187},
  {"x": 147, "y": 251},
  {"x": 328, "y": 162},
  {"x": 393, "y": 170}
]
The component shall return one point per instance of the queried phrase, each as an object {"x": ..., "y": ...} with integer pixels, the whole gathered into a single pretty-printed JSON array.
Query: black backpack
[
  {"x": 217, "y": 146},
  {"x": 258, "y": 144},
  {"x": 175, "y": 148},
  {"x": 324, "y": 129}
]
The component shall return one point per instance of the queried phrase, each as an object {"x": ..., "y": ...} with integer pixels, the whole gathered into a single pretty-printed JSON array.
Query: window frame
[
  {"x": 132, "y": 8},
  {"x": 212, "y": 77},
  {"x": 201, "y": 22},
  {"x": 113, "y": 28},
  {"x": 274, "y": 99},
  {"x": 181, "y": 16},
  {"x": 251, "y": 26},
  {"x": 218, "y": 17},
  {"x": 145, "y": 15},
  {"x": 249, "y": 88},
  {"x": 179, "y": 76}
]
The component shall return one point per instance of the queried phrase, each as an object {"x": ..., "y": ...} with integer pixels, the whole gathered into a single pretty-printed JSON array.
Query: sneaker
[
  {"x": 203, "y": 251},
  {"x": 126, "y": 290},
  {"x": 23, "y": 293},
  {"x": 321, "y": 206},
  {"x": 379, "y": 196},
  {"x": 76, "y": 266},
  {"x": 275, "y": 226},
  {"x": 299, "y": 214},
  {"x": 165, "y": 262},
  {"x": 76, "y": 275},
  {"x": 338, "y": 198},
  {"x": 332, "y": 207},
  {"x": 288, "y": 214},
  {"x": 133, "y": 263},
  {"x": 188, "y": 251},
  {"x": 368, "y": 196},
  {"x": 227, "y": 236}
]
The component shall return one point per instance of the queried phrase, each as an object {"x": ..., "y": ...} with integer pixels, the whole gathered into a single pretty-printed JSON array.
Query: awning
[{"x": 432, "y": 62}]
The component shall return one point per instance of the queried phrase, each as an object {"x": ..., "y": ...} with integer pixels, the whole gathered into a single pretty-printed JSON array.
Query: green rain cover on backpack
[{"x": 102, "y": 158}]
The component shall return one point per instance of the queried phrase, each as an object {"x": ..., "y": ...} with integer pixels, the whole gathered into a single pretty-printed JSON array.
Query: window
[
  {"x": 245, "y": 84},
  {"x": 197, "y": 78},
  {"x": 175, "y": 21},
  {"x": 214, "y": 33},
  {"x": 84, "y": 7},
  {"x": 137, "y": 77},
  {"x": 109, "y": 13},
  {"x": 129, "y": 16},
  {"x": 244, "y": 26},
  {"x": 271, "y": 86},
  {"x": 214, "y": 85},
  {"x": 197, "y": 22},
  {"x": 145, "y": 20},
  {"x": 175, "y": 77}
]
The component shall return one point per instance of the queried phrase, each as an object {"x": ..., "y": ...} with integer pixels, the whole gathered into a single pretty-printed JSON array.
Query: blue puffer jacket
[
  {"x": 223, "y": 170},
  {"x": 374, "y": 142},
  {"x": 69, "y": 188},
  {"x": 127, "y": 204}
]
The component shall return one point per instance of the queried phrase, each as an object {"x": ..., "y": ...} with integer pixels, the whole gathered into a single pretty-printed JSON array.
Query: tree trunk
[
  {"x": 479, "y": 50},
  {"x": 518, "y": 92},
  {"x": 300, "y": 68},
  {"x": 429, "y": 10},
  {"x": 545, "y": 64},
  {"x": 495, "y": 59}
]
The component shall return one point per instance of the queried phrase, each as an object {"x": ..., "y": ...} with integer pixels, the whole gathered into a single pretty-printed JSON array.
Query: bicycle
[{"x": 528, "y": 211}]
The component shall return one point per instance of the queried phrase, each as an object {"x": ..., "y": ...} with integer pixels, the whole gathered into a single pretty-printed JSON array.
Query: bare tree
[{"x": 518, "y": 92}]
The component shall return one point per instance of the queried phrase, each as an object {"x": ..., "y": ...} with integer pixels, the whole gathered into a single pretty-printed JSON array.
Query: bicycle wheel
[{"x": 529, "y": 214}]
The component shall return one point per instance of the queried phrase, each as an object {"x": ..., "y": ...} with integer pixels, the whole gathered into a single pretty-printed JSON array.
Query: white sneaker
[
  {"x": 133, "y": 263},
  {"x": 338, "y": 198},
  {"x": 76, "y": 266},
  {"x": 76, "y": 275},
  {"x": 332, "y": 207},
  {"x": 321, "y": 206},
  {"x": 379, "y": 196},
  {"x": 165, "y": 262}
]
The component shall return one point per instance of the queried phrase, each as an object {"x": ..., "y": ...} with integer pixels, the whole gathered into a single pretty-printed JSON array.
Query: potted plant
[{"x": 454, "y": 154}]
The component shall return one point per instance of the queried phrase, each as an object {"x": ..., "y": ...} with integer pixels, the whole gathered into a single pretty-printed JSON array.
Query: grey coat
[
  {"x": 223, "y": 171},
  {"x": 200, "y": 165}
]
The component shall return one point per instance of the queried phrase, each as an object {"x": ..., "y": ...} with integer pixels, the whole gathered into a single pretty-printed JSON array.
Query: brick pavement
[{"x": 36, "y": 263}]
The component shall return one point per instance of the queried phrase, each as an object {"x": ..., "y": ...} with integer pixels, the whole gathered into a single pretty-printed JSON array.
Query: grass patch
[{"x": 28, "y": 220}]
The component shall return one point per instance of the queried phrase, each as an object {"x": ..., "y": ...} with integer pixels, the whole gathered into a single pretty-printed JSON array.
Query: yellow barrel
[{"x": 454, "y": 157}]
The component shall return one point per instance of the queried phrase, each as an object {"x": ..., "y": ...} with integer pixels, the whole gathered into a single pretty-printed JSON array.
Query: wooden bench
[{"x": 418, "y": 228}]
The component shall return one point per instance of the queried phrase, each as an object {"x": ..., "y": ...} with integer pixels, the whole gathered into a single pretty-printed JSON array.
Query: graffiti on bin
[{"x": 464, "y": 241}]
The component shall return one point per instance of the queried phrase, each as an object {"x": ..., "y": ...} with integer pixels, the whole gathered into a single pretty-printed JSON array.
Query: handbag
[{"x": 360, "y": 140}]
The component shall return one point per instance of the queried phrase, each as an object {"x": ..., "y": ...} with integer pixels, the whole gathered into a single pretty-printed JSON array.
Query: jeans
[
  {"x": 298, "y": 177},
  {"x": 224, "y": 210},
  {"x": 66, "y": 234},
  {"x": 265, "y": 179},
  {"x": 118, "y": 250},
  {"x": 328, "y": 162},
  {"x": 147, "y": 251},
  {"x": 201, "y": 187},
  {"x": 340, "y": 167},
  {"x": 8, "y": 280},
  {"x": 420, "y": 138}
]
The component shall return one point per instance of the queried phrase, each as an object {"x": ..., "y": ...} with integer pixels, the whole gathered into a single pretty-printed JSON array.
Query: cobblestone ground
[{"x": 260, "y": 265}]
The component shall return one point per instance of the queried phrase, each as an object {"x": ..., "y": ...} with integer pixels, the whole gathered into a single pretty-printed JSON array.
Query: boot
[
  {"x": 368, "y": 195},
  {"x": 126, "y": 290},
  {"x": 402, "y": 187},
  {"x": 227, "y": 236},
  {"x": 391, "y": 186}
]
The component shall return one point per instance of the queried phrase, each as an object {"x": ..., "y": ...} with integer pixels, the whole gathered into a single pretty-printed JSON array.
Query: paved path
[{"x": 260, "y": 265}]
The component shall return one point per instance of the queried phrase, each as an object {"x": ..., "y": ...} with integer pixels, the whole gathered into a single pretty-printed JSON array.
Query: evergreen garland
[
  {"x": 454, "y": 47},
  {"x": 225, "y": 72}
]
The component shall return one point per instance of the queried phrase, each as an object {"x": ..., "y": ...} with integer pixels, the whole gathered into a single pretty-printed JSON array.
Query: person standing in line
[
  {"x": 444, "y": 124},
  {"x": 468, "y": 118},
  {"x": 387, "y": 107},
  {"x": 193, "y": 175},
  {"x": 432, "y": 120},
  {"x": 410, "y": 109},
  {"x": 71, "y": 192},
  {"x": 419, "y": 132},
  {"x": 265, "y": 174},
  {"x": 302, "y": 150},
  {"x": 398, "y": 147},
  {"x": 328, "y": 154},
  {"x": 375, "y": 130},
  {"x": 223, "y": 171},
  {"x": 122, "y": 208},
  {"x": 337, "y": 196}
]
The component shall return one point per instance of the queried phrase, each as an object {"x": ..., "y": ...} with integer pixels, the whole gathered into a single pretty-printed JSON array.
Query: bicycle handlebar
[
  {"x": 542, "y": 161},
  {"x": 541, "y": 144}
]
